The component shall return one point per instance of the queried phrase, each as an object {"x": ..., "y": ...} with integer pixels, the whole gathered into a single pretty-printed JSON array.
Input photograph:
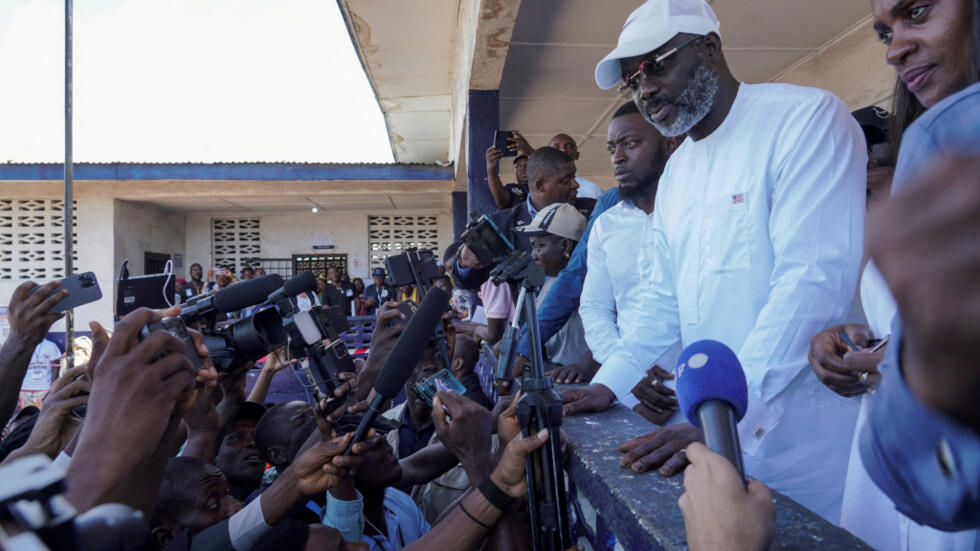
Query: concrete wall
[
  {"x": 288, "y": 233},
  {"x": 94, "y": 249},
  {"x": 144, "y": 227},
  {"x": 852, "y": 67}
]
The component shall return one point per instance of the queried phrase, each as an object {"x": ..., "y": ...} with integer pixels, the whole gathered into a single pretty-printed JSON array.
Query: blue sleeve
[
  {"x": 923, "y": 460},
  {"x": 563, "y": 298}
]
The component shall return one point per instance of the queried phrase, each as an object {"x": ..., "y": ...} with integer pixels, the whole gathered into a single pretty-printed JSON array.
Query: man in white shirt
[
  {"x": 755, "y": 242},
  {"x": 566, "y": 144},
  {"x": 638, "y": 154}
]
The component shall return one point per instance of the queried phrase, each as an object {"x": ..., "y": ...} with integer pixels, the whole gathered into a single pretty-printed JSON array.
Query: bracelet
[
  {"x": 497, "y": 497},
  {"x": 467, "y": 513}
]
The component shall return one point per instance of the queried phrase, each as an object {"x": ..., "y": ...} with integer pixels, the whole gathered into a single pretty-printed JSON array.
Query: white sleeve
[
  {"x": 816, "y": 225},
  {"x": 247, "y": 525},
  {"x": 597, "y": 306},
  {"x": 652, "y": 328}
]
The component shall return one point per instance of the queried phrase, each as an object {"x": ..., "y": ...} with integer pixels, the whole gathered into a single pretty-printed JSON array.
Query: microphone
[
  {"x": 237, "y": 296},
  {"x": 404, "y": 356},
  {"x": 304, "y": 281},
  {"x": 713, "y": 395}
]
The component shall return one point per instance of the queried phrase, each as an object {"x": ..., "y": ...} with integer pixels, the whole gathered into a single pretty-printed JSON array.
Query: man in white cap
[{"x": 755, "y": 241}]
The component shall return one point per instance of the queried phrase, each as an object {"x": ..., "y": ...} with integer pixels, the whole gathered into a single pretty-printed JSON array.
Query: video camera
[
  {"x": 412, "y": 267},
  {"x": 485, "y": 240},
  {"x": 306, "y": 331},
  {"x": 34, "y": 515}
]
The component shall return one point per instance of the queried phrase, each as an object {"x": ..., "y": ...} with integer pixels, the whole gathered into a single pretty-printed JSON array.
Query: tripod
[{"x": 539, "y": 408}]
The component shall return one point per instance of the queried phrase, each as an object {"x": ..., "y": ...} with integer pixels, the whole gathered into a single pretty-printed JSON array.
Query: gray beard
[{"x": 692, "y": 105}]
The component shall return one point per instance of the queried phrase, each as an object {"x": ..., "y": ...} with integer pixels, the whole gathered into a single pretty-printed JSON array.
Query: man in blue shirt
[{"x": 922, "y": 444}]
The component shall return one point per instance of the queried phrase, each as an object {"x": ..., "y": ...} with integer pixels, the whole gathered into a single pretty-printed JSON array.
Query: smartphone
[
  {"x": 443, "y": 380},
  {"x": 500, "y": 142},
  {"x": 82, "y": 289}
]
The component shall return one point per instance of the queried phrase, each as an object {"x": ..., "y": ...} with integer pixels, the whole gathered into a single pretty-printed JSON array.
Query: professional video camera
[
  {"x": 412, "y": 267},
  {"x": 306, "y": 332},
  {"x": 237, "y": 342},
  {"x": 35, "y": 516},
  {"x": 540, "y": 407}
]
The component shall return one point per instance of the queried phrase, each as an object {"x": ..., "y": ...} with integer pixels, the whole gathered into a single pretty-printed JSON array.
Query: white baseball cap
[
  {"x": 651, "y": 26},
  {"x": 561, "y": 219}
]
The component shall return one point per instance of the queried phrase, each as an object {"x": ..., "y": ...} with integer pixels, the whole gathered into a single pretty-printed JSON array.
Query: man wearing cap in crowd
[
  {"x": 755, "y": 241},
  {"x": 377, "y": 293},
  {"x": 553, "y": 233}
]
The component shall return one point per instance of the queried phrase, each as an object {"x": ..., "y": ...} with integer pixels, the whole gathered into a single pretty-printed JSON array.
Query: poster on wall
[
  {"x": 358, "y": 265},
  {"x": 178, "y": 260},
  {"x": 324, "y": 241}
]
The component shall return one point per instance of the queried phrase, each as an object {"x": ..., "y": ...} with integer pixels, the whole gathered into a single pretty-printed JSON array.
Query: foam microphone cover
[
  {"x": 709, "y": 370},
  {"x": 301, "y": 283},
  {"x": 246, "y": 293},
  {"x": 412, "y": 342}
]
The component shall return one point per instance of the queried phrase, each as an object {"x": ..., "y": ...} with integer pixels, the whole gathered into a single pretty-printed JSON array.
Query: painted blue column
[
  {"x": 460, "y": 214},
  {"x": 482, "y": 119}
]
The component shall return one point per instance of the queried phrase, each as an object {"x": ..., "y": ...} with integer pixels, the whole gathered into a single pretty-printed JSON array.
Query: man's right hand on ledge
[{"x": 587, "y": 399}]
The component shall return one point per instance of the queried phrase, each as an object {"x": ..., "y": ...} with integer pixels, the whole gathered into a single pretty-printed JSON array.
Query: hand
[
  {"x": 325, "y": 417},
  {"x": 493, "y": 158},
  {"x": 517, "y": 143},
  {"x": 509, "y": 473},
  {"x": 865, "y": 361},
  {"x": 467, "y": 259},
  {"x": 503, "y": 387},
  {"x": 28, "y": 315},
  {"x": 134, "y": 393},
  {"x": 100, "y": 341},
  {"x": 662, "y": 448},
  {"x": 56, "y": 425},
  {"x": 581, "y": 372},
  {"x": 202, "y": 415},
  {"x": 467, "y": 433},
  {"x": 587, "y": 399},
  {"x": 389, "y": 327},
  {"x": 508, "y": 426},
  {"x": 323, "y": 466},
  {"x": 272, "y": 363},
  {"x": 826, "y": 357},
  {"x": 657, "y": 400},
  {"x": 719, "y": 511},
  {"x": 924, "y": 242}
]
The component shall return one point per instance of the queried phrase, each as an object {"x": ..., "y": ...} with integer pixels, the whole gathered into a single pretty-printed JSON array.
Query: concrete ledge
[{"x": 625, "y": 510}]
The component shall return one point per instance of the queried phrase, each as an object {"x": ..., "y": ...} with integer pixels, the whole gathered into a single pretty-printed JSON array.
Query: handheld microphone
[
  {"x": 404, "y": 356},
  {"x": 713, "y": 395},
  {"x": 237, "y": 296},
  {"x": 302, "y": 282}
]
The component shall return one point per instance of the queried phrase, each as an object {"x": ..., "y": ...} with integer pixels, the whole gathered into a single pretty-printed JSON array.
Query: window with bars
[
  {"x": 236, "y": 243},
  {"x": 389, "y": 235},
  {"x": 318, "y": 263},
  {"x": 32, "y": 238}
]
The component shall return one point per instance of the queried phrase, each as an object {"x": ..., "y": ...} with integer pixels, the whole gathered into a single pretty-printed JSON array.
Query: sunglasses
[{"x": 651, "y": 67}]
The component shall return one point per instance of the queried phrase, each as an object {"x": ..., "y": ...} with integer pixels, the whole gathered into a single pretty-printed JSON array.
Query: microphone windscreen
[
  {"x": 412, "y": 342},
  {"x": 246, "y": 293},
  {"x": 709, "y": 370},
  {"x": 301, "y": 283}
]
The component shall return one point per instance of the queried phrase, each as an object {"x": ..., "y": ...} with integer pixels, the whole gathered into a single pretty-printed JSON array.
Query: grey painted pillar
[{"x": 481, "y": 122}]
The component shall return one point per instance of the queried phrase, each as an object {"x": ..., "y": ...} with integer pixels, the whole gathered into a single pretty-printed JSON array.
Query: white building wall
[
  {"x": 144, "y": 227},
  {"x": 288, "y": 233}
]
